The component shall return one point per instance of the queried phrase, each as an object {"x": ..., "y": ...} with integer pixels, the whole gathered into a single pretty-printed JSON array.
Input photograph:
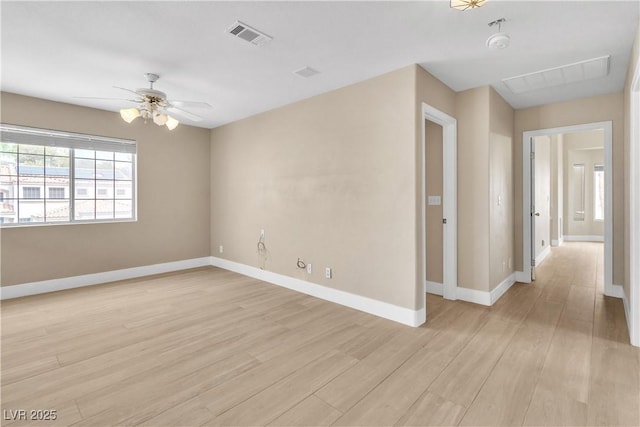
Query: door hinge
[
  {"x": 444, "y": 220},
  {"x": 532, "y": 155}
]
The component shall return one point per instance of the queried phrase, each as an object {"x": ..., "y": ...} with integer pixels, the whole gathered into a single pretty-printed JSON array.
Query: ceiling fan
[{"x": 154, "y": 105}]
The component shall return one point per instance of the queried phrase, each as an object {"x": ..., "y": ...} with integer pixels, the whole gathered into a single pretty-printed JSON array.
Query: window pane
[
  {"x": 8, "y": 186},
  {"x": 85, "y": 169},
  {"x": 104, "y": 189},
  {"x": 31, "y": 149},
  {"x": 578, "y": 192},
  {"x": 84, "y": 189},
  {"x": 8, "y": 162},
  {"x": 31, "y": 210},
  {"x": 57, "y": 210},
  {"x": 124, "y": 170},
  {"x": 9, "y": 211},
  {"x": 104, "y": 209},
  {"x": 598, "y": 185},
  {"x": 127, "y": 157},
  {"x": 57, "y": 151},
  {"x": 85, "y": 154},
  {"x": 31, "y": 163},
  {"x": 104, "y": 155},
  {"x": 8, "y": 147},
  {"x": 55, "y": 165},
  {"x": 104, "y": 169},
  {"x": 84, "y": 209},
  {"x": 124, "y": 209}
]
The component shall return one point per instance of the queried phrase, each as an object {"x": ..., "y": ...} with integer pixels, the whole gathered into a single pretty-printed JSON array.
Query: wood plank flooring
[{"x": 211, "y": 347}]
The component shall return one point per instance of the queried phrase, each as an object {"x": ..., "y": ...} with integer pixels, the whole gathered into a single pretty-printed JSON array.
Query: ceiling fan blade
[
  {"x": 180, "y": 112},
  {"x": 128, "y": 90},
  {"x": 106, "y": 99},
  {"x": 191, "y": 104}
]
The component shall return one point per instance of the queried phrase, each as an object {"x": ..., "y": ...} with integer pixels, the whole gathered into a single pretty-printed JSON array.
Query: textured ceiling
[{"x": 61, "y": 50}]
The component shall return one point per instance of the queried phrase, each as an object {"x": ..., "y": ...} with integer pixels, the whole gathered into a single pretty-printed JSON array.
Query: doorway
[
  {"x": 530, "y": 241},
  {"x": 446, "y": 204}
]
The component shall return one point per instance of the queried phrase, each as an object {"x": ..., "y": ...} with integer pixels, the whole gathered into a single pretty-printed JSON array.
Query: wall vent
[
  {"x": 306, "y": 72},
  {"x": 566, "y": 74},
  {"x": 249, "y": 34}
]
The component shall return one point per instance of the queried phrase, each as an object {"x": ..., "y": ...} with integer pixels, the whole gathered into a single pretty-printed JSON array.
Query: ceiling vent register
[
  {"x": 558, "y": 76},
  {"x": 249, "y": 34}
]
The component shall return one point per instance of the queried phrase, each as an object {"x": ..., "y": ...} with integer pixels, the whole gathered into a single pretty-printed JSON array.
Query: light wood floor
[{"x": 210, "y": 347}]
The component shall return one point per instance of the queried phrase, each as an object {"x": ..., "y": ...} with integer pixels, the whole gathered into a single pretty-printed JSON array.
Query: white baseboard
[
  {"x": 368, "y": 305},
  {"x": 546, "y": 251},
  {"x": 634, "y": 340},
  {"x": 473, "y": 295},
  {"x": 486, "y": 298},
  {"x": 44, "y": 286},
  {"x": 615, "y": 291},
  {"x": 556, "y": 243},
  {"x": 568, "y": 238},
  {"x": 433, "y": 287},
  {"x": 522, "y": 277},
  {"x": 503, "y": 287}
]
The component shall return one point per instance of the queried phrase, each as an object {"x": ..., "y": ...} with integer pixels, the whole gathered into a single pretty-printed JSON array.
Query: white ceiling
[{"x": 61, "y": 50}]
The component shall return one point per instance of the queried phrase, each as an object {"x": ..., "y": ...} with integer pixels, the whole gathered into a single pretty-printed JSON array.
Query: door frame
[
  {"x": 450, "y": 202},
  {"x": 632, "y": 306},
  {"x": 607, "y": 127}
]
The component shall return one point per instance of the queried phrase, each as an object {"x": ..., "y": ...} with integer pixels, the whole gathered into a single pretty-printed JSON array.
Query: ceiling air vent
[
  {"x": 306, "y": 72},
  {"x": 246, "y": 33},
  {"x": 566, "y": 74}
]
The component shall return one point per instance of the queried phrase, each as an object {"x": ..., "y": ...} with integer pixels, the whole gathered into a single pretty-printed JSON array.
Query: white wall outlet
[
  {"x": 262, "y": 234},
  {"x": 221, "y": 249},
  {"x": 504, "y": 266},
  {"x": 499, "y": 200},
  {"x": 510, "y": 266},
  {"x": 309, "y": 269},
  {"x": 327, "y": 272}
]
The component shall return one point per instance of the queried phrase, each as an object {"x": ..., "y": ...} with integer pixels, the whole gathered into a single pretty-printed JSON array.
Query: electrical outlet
[
  {"x": 221, "y": 249},
  {"x": 309, "y": 269},
  {"x": 504, "y": 266},
  {"x": 262, "y": 234},
  {"x": 543, "y": 243},
  {"x": 327, "y": 272}
]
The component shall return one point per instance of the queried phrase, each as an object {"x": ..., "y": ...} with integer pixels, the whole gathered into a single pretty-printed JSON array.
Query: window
[
  {"x": 77, "y": 173},
  {"x": 598, "y": 192},
  {"x": 56, "y": 192},
  {"x": 578, "y": 192},
  {"x": 31, "y": 192}
]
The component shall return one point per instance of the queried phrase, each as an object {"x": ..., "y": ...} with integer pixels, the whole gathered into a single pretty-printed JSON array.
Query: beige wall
[
  {"x": 472, "y": 111},
  {"x": 587, "y": 110},
  {"x": 633, "y": 61},
  {"x": 433, "y": 163},
  {"x": 501, "y": 189},
  {"x": 332, "y": 180},
  {"x": 173, "y": 200}
]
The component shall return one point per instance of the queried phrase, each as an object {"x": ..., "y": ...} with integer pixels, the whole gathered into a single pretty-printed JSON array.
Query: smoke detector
[{"x": 498, "y": 40}]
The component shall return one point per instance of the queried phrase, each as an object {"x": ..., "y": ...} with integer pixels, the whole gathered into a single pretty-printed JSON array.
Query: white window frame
[{"x": 73, "y": 141}]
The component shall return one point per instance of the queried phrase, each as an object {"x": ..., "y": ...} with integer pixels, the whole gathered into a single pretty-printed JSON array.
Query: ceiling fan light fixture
[
  {"x": 466, "y": 4},
  {"x": 171, "y": 123},
  {"x": 160, "y": 119},
  {"x": 129, "y": 114}
]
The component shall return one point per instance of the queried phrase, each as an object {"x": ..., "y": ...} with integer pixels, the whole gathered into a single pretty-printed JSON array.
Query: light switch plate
[{"x": 434, "y": 200}]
